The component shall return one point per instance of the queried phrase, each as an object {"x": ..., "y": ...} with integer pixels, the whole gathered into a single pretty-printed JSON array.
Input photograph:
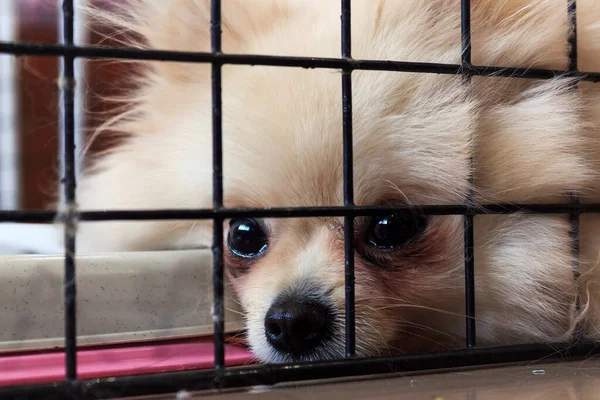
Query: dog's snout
[{"x": 296, "y": 327}]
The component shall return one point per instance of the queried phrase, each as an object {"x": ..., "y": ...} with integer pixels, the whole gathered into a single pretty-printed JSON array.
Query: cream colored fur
[{"x": 533, "y": 141}]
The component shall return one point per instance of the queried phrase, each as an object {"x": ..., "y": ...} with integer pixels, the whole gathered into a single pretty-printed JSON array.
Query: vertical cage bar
[
  {"x": 469, "y": 218},
  {"x": 465, "y": 27},
  {"x": 572, "y": 10},
  {"x": 469, "y": 281},
  {"x": 348, "y": 182},
  {"x": 217, "y": 126},
  {"x": 574, "y": 215},
  {"x": 67, "y": 83},
  {"x": 9, "y": 143}
]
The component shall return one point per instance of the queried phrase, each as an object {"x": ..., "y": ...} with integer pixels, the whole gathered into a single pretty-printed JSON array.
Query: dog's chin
[{"x": 331, "y": 348}]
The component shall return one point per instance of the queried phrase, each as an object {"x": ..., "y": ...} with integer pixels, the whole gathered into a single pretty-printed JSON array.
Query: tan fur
[{"x": 533, "y": 141}]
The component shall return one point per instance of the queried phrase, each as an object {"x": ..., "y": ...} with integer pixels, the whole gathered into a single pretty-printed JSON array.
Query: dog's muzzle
[{"x": 296, "y": 326}]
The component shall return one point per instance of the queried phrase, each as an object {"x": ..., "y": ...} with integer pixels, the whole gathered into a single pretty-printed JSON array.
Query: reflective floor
[{"x": 556, "y": 381}]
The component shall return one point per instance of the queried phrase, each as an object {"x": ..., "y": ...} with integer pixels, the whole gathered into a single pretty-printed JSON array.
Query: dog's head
[
  {"x": 414, "y": 136},
  {"x": 289, "y": 273}
]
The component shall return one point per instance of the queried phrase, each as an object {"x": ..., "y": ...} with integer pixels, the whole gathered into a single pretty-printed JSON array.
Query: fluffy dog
[{"x": 414, "y": 134}]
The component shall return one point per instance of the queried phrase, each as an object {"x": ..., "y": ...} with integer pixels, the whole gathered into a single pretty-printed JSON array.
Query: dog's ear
[{"x": 184, "y": 25}]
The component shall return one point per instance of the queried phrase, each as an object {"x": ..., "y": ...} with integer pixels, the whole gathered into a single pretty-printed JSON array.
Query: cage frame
[{"x": 235, "y": 377}]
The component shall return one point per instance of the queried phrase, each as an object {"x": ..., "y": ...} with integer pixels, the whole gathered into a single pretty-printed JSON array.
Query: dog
[{"x": 417, "y": 140}]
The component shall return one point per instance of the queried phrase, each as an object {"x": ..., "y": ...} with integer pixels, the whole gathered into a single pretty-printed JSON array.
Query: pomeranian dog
[{"x": 532, "y": 141}]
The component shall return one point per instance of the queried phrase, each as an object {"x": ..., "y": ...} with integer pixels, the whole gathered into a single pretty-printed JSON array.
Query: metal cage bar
[
  {"x": 109, "y": 388},
  {"x": 572, "y": 10},
  {"x": 470, "y": 329},
  {"x": 574, "y": 214},
  {"x": 217, "y": 137},
  {"x": 68, "y": 180},
  {"x": 300, "y": 212},
  {"x": 102, "y": 52},
  {"x": 348, "y": 182}
]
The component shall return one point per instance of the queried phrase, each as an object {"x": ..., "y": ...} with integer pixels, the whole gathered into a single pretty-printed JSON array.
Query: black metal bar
[
  {"x": 96, "y": 52},
  {"x": 298, "y": 212},
  {"x": 574, "y": 215},
  {"x": 572, "y": 10},
  {"x": 346, "y": 29},
  {"x": 217, "y": 126},
  {"x": 68, "y": 180},
  {"x": 469, "y": 281},
  {"x": 273, "y": 374},
  {"x": 465, "y": 30},
  {"x": 575, "y": 248},
  {"x": 470, "y": 327},
  {"x": 348, "y": 182}
]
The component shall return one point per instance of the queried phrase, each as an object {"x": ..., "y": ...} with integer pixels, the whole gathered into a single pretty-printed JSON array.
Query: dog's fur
[{"x": 532, "y": 142}]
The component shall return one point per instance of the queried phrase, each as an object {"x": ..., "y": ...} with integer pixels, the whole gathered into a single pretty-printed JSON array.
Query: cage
[{"x": 79, "y": 381}]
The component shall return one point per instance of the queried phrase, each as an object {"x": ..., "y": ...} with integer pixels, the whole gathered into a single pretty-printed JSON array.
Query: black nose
[{"x": 296, "y": 327}]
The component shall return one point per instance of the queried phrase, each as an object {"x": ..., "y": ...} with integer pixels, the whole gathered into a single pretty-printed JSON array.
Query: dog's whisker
[
  {"x": 231, "y": 310},
  {"x": 424, "y": 327},
  {"x": 437, "y": 310},
  {"x": 410, "y": 333}
]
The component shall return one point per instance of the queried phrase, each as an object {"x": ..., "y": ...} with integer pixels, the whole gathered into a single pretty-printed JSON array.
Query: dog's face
[
  {"x": 286, "y": 151},
  {"x": 413, "y": 138}
]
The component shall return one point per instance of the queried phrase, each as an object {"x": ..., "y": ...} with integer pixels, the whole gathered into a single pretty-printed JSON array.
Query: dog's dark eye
[
  {"x": 246, "y": 238},
  {"x": 392, "y": 231}
]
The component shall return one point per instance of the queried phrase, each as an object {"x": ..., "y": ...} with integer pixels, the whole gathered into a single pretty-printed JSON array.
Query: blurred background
[{"x": 30, "y": 142}]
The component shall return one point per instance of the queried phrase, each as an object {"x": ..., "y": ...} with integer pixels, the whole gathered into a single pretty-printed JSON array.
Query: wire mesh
[{"x": 270, "y": 374}]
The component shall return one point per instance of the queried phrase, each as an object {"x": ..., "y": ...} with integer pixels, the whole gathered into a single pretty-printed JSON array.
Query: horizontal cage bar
[
  {"x": 37, "y": 49},
  {"x": 273, "y": 374},
  {"x": 299, "y": 212}
]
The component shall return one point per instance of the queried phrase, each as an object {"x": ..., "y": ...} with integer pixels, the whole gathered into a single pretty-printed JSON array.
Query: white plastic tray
[{"x": 121, "y": 297}]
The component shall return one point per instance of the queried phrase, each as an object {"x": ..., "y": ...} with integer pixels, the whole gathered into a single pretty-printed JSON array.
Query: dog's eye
[
  {"x": 392, "y": 231},
  {"x": 246, "y": 238}
]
